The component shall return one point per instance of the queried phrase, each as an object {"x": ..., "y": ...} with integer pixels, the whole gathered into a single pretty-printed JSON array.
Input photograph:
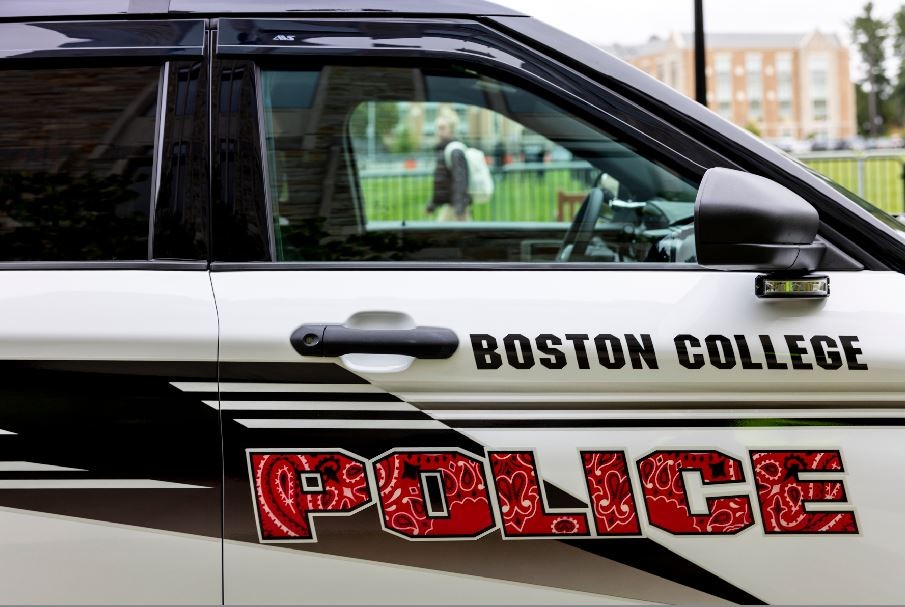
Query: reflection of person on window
[{"x": 450, "y": 179}]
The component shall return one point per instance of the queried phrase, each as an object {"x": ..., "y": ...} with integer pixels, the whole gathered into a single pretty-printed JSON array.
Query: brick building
[{"x": 786, "y": 85}]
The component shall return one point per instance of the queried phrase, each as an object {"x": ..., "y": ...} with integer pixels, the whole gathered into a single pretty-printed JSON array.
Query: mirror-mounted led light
[{"x": 799, "y": 287}]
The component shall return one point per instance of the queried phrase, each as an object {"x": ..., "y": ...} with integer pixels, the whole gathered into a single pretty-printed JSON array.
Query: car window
[
  {"x": 76, "y": 156},
  {"x": 398, "y": 163}
]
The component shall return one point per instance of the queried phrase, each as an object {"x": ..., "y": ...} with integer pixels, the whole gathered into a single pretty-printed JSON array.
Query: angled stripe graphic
[
  {"x": 372, "y": 397},
  {"x": 94, "y": 483},
  {"x": 332, "y": 415},
  {"x": 20, "y": 466},
  {"x": 274, "y": 387},
  {"x": 500, "y": 400},
  {"x": 275, "y": 405},
  {"x": 306, "y": 372},
  {"x": 778, "y": 422},
  {"x": 641, "y": 554},
  {"x": 647, "y": 555},
  {"x": 344, "y": 424},
  {"x": 689, "y": 415}
]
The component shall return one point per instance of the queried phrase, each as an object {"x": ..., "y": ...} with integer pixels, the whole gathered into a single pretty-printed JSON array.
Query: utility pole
[{"x": 700, "y": 55}]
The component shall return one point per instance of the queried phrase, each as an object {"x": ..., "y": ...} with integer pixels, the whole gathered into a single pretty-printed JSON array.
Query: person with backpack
[{"x": 461, "y": 176}]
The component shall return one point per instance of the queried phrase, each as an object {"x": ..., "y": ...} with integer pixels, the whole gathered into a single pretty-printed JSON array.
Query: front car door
[
  {"x": 403, "y": 397},
  {"x": 109, "y": 471}
]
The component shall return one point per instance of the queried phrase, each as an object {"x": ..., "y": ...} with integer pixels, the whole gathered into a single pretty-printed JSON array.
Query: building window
[
  {"x": 820, "y": 110},
  {"x": 818, "y": 75},
  {"x": 724, "y": 85},
  {"x": 784, "y": 85},
  {"x": 753, "y": 68}
]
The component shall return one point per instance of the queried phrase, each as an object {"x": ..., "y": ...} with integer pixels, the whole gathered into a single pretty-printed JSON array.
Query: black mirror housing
[{"x": 747, "y": 222}]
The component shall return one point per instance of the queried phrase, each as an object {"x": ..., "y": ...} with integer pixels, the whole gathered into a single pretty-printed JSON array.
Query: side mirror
[{"x": 746, "y": 222}]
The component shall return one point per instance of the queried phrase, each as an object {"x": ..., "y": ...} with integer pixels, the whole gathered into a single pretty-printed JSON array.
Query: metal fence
[
  {"x": 877, "y": 176},
  {"x": 394, "y": 191}
]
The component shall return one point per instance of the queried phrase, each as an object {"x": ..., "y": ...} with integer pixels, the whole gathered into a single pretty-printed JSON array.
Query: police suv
[{"x": 242, "y": 363}]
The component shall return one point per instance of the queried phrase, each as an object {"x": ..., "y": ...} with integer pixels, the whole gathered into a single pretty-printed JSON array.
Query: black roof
[{"x": 13, "y": 9}]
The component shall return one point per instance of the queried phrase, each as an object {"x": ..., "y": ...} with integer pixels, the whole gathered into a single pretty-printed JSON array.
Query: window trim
[
  {"x": 184, "y": 140},
  {"x": 468, "y": 266},
  {"x": 173, "y": 38},
  {"x": 226, "y": 162},
  {"x": 265, "y": 169},
  {"x": 163, "y": 81},
  {"x": 170, "y": 265},
  {"x": 430, "y": 266}
]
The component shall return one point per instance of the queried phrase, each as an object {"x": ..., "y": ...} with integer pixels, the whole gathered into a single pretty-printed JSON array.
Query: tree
[
  {"x": 404, "y": 142},
  {"x": 861, "y": 115},
  {"x": 897, "y": 97},
  {"x": 385, "y": 115},
  {"x": 870, "y": 35}
]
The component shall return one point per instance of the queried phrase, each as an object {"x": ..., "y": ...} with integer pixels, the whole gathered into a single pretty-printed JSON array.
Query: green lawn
[
  {"x": 531, "y": 196},
  {"x": 519, "y": 196},
  {"x": 882, "y": 178}
]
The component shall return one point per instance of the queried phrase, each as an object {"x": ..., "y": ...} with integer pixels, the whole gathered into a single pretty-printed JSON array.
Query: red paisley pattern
[
  {"x": 519, "y": 495},
  {"x": 610, "y": 488},
  {"x": 783, "y": 496},
  {"x": 667, "y": 501},
  {"x": 282, "y": 503},
  {"x": 402, "y": 500}
]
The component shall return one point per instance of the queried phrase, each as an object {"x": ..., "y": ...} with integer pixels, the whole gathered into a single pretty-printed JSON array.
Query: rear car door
[
  {"x": 405, "y": 392},
  {"x": 109, "y": 467}
]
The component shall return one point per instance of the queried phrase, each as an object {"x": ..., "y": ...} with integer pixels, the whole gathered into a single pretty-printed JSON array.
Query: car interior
[{"x": 351, "y": 153}]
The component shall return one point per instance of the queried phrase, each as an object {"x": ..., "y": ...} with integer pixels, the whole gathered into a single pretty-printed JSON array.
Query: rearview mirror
[{"x": 747, "y": 222}]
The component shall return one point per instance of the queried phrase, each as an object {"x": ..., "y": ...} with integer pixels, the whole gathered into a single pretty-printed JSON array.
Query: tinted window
[
  {"x": 381, "y": 163},
  {"x": 76, "y": 155}
]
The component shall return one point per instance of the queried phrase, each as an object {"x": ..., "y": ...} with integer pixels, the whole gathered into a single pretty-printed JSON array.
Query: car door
[
  {"x": 109, "y": 469},
  {"x": 404, "y": 395}
]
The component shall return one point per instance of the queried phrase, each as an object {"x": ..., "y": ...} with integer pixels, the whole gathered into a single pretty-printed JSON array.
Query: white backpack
[{"x": 480, "y": 181}]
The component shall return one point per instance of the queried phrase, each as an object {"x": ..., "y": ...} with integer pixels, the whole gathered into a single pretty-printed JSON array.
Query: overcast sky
[{"x": 633, "y": 21}]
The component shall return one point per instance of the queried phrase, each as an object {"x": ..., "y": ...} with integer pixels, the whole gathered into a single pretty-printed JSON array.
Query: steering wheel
[{"x": 579, "y": 235}]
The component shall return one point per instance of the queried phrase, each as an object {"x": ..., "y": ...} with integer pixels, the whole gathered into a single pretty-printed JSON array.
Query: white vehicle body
[{"x": 270, "y": 381}]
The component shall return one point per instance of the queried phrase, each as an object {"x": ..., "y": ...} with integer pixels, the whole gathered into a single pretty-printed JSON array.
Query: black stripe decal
[
  {"x": 171, "y": 370},
  {"x": 647, "y": 555},
  {"x": 301, "y": 373},
  {"x": 274, "y": 414},
  {"x": 301, "y": 396},
  {"x": 652, "y": 557}
]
